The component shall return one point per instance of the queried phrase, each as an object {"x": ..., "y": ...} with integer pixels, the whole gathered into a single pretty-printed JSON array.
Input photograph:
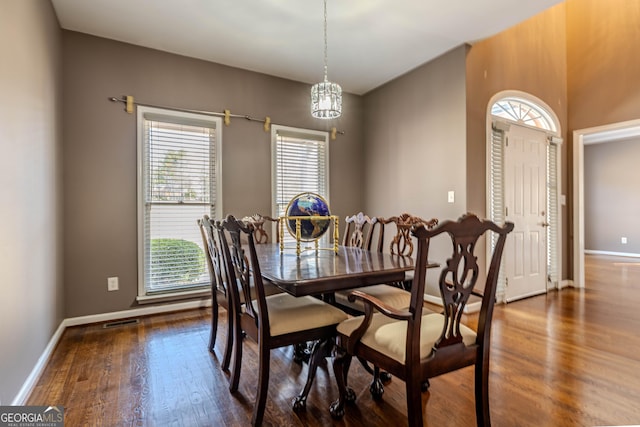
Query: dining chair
[
  {"x": 358, "y": 232},
  {"x": 219, "y": 293},
  {"x": 362, "y": 231},
  {"x": 415, "y": 347},
  {"x": 272, "y": 321},
  {"x": 401, "y": 243},
  {"x": 260, "y": 234}
]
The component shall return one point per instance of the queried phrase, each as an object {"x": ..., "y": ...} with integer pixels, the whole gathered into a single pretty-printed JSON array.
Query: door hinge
[
  {"x": 506, "y": 211},
  {"x": 506, "y": 282},
  {"x": 506, "y": 141}
]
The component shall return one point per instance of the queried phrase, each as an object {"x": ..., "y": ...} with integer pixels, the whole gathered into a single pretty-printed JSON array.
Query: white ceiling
[{"x": 370, "y": 41}]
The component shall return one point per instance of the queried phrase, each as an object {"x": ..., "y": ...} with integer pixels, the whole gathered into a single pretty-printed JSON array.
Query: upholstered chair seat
[
  {"x": 390, "y": 295},
  {"x": 286, "y": 311},
  {"x": 389, "y": 337}
]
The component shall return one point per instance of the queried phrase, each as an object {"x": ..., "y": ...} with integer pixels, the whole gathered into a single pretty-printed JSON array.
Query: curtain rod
[{"x": 129, "y": 103}]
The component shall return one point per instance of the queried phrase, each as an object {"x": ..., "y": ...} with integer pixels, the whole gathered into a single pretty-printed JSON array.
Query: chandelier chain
[
  {"x": 326, "y": 97},
  {"x": 325, "y": 41}
]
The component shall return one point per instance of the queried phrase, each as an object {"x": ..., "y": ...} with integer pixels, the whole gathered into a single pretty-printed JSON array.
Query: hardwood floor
[{"x": 568, "y": 358}]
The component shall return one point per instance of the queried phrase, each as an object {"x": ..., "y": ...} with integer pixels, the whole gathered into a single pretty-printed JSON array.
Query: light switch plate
[{"x": 451, "y": 196}]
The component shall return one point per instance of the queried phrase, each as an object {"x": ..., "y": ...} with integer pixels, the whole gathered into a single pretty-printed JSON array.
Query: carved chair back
[{"x": 260, "y": 235}]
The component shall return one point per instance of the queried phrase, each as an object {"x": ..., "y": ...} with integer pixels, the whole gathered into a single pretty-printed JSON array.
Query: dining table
[{"x": 321, "y": 272}]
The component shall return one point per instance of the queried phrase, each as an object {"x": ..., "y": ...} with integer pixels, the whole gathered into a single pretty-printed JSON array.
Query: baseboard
[
  {"x": 566, "y": 284},
  {"x": 624, "y": 254},
  {"x": 32, "y": 379},
  {"x": 41, "y": 364},
  {"x": 134, "y": 312}
]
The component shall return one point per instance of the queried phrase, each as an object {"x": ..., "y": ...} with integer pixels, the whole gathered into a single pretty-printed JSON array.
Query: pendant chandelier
[{"x": 326, "y": 97}]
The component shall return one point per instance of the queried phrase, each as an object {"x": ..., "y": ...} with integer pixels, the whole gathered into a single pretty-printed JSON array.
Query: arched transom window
[{"x": 522, "y": 111}]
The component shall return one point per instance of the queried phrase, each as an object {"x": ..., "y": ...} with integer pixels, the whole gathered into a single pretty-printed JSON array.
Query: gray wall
[
  {"x": 100, "y": 152},
  {"x": 611, "y": 200},
  {"x": 31, "y": 306},
  {"x": 415, "y": 139}
]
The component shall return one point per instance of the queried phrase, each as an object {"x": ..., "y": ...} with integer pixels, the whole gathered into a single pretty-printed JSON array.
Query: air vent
[{"x": 121, "y": 323}]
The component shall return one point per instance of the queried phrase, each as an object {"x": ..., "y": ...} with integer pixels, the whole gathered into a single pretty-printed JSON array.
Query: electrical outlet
[
  {"x": 623, "y": 240},
  {"x": 112, "y": 284}
]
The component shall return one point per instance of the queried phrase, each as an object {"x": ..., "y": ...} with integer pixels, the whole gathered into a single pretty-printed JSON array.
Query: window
[
  {"x": 300, "y": 163},
  {"x": 521, "y": 111},
  {"x": 178, "y": 182}
]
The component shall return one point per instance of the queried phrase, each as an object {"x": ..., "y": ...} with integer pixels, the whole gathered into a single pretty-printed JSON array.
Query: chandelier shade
[
  {"x": 326, "y": 100},
  {"x": 326, "y": 97}
]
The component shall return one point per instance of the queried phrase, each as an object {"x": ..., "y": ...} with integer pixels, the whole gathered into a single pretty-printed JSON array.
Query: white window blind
[
  {"x": 180, "y": 182},
  {"x": 300, "y": 164},
  {"x": 553, "y": 214},
  {"x": 496, "y": 194}
]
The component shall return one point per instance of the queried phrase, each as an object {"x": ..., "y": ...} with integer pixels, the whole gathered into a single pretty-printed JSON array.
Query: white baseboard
[
  {"x": 141, "y": 311},
  {"x": 41, "y": 364},
  {"x": 566, "y": 284},
  {"x": 624, "y": 254},
  {"x": 32, "y": 379}
]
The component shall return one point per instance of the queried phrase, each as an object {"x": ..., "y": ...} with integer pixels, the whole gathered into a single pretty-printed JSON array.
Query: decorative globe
[{"x": 308, "y": 204}]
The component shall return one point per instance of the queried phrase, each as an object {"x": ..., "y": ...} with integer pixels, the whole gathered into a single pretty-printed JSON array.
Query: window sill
[{"x": 173, "y": 296}]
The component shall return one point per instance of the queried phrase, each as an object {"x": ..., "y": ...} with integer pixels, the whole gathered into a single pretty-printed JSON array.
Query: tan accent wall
[
  {"x": 602, "y": 62},
  {"x": 31, "y": 305},
  {"x": 604, "y": 88},
  {"x": 529, "y": 57},
  {"x": 100, "y": 152}
]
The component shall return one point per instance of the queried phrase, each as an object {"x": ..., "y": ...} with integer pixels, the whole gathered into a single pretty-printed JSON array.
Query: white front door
[{"x": 525, "y": 202}]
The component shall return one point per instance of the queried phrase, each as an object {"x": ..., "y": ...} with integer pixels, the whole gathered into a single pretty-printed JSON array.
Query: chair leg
[
  {"x": 226, "y": 359},
  {"x": 263, "y": 386},
  {"x": 414, "y": 401},
  {"x": 385, "y": 377},
  {"x": 483, "y": 418},
  {"x": 341, "y": 363},
  {"x": 214, "y": 323},
  {"x": 237, "y": 352},
  {"x": 376, "y": 388}
]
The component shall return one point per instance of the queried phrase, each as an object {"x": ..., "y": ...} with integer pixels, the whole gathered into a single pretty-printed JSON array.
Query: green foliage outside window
[{"x": 176, "y": 261}]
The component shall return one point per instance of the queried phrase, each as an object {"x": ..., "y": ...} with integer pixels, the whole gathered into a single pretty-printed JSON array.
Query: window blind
[
  {"x": 301, "y": 164},
  {"x": 180, "y": 186},
  {"x": 496, "y": 194},
  {"x": 553, "y": 213}
]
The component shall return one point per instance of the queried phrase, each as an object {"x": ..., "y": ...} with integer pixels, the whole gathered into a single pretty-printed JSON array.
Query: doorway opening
[{"x": 600, "y": 134}]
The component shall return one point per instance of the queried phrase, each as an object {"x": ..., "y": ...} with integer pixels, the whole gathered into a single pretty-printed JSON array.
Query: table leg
[{"x": 321, "y": 349}]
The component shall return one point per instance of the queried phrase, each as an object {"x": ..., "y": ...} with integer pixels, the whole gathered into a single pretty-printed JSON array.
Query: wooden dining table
[
  {"x": 320, "y": 272},
  {"x": 323, "y": 272}
]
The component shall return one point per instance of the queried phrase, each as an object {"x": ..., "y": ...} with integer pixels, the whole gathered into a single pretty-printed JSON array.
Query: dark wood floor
[{"x": 568, "y": 358}]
